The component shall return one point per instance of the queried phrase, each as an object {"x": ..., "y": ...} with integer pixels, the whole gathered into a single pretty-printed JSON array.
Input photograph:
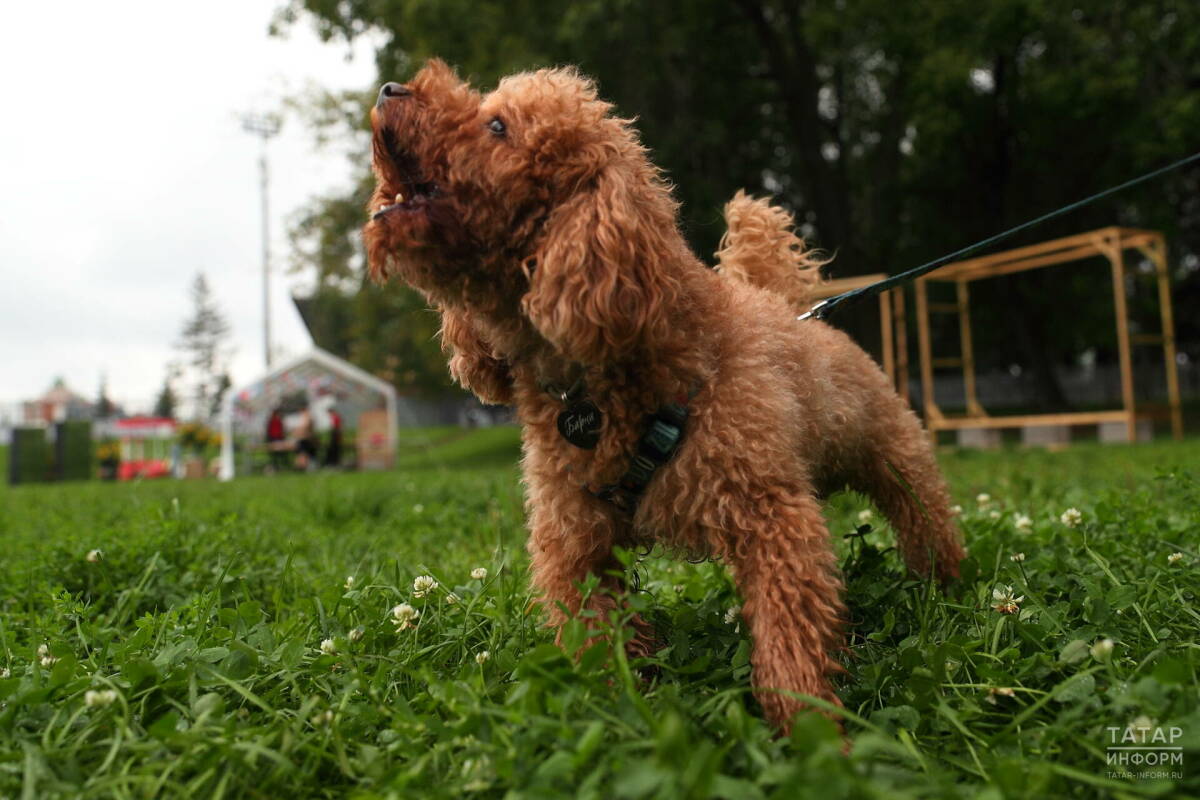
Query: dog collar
[{"x": 568, "y": 395}]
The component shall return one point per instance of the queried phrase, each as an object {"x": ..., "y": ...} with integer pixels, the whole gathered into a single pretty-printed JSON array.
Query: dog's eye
[{"x": 496, "y": 126}]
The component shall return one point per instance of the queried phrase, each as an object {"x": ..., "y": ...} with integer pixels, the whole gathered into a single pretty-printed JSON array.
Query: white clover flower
[
  {"x": 994, "y": 514},
  {"x": 451, "y": 599},
  {"x": 324, "y": 719},
  {"x": 999, "y": 691},
  {"x": 1022, "y": 523},
  {"x": 423, "y": 584},
  {"x": 329, "y": 647},
  {"x": 956, "y": 510},
  {"x": 44, "y": 657},
  {"x": 404, "y": 615},
  {"x": 732, "y": 614},
  {"x": 99, "y": 698},
  {"x": 983, "y": 500},
  {"x": 482, "y": 656},
  {"x": 1071, "y": 517},
  {"x": 4, "y": 673},
  {"x": 1006, "y": 601},
  {"x": 418, "y": 508},
  {"x": 1174, "y": 559},
  {"x": 479, "y": 573},
  {"x": 349, "y": 584},
  {"x": 1017, "y": 557},
  {"x": 356, "y": 634},
  {"x": 865, "y": 516},
  {"x": 679, "y": 587},
  {"x": 94, "y": 556},
  {"x": 1102, "y": 649}
]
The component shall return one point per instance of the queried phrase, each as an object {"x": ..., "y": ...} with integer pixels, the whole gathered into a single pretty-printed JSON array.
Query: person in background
[
  {"x": 306, "y": 441},
  {"x": 275, "y": 436},
  {"x": 333, "y": 449}
]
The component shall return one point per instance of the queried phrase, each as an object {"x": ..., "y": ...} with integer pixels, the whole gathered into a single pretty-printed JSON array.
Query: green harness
[{"x": 664, "y": 432}]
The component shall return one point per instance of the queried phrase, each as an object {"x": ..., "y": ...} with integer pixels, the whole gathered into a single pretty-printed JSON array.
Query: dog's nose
[{"x": 390, "y": 90}]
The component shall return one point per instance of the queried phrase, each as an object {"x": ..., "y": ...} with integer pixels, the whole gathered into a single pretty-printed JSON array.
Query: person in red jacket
[{"x": 275, "y": 435}]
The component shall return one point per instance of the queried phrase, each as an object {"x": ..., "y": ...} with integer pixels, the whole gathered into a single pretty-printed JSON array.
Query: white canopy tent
[{"x": 318, "y": 376}]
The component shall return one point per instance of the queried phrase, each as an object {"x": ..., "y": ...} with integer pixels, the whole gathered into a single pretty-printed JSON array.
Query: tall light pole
[{"x": 264, "y": 126}]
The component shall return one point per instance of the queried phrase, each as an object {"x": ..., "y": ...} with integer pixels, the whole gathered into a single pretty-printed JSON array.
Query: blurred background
[{"x": 132, "y": 231}]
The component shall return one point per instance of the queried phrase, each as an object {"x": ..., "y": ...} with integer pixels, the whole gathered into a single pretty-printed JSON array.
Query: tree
[
  {"x": 164, "y": 405},
  {"x": 104, "y": 406},
  {"x": 895, "y": 136},
  {"x": 222, "y": 387},
  {"x": 203, "y": 344}
]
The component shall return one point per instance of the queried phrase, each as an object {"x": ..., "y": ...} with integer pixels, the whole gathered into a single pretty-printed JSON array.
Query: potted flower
[
  {"x": 195, "y": 439},
  {"x": 108, "y": 454}
]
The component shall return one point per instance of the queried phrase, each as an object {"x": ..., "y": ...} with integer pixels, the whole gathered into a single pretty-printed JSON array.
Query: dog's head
[{"x": 531, "y": 201}]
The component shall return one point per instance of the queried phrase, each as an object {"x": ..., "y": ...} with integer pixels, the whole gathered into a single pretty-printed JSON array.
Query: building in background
[
  {"x": 310, "y": 387},
  {"x": 58, "y": 404},
  {"x": 421, "y": 399}
]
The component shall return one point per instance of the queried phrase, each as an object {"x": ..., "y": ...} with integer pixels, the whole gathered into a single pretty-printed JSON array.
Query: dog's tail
[{"x": 762, "y": 248}]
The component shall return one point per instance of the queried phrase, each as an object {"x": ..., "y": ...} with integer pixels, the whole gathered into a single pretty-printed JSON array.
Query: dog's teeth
[{"x": 399, "y": 198}]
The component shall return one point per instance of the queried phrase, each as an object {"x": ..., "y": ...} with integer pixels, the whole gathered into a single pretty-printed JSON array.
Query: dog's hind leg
[{"x": 903, "y": 478}]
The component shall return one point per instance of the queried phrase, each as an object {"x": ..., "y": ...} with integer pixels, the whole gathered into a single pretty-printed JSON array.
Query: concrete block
[
  {"x": 1116, "y": 432},
  {"x": 1046, "y": 435},
  {"x": 981, "y": 438}
]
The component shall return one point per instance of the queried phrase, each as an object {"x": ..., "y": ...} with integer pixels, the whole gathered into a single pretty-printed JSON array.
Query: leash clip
[{"x": 813, "y": 310}]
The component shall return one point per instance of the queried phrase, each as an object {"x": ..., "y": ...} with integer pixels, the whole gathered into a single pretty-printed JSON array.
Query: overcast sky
[{"x": 125, "y": 171}]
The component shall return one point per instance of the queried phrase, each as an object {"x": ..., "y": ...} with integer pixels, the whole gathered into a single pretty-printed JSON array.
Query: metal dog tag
[{"x": 580, "y": 424}]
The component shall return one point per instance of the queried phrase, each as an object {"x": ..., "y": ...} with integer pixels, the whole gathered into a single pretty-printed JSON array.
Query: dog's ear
[{"x": 603, "y": 278}]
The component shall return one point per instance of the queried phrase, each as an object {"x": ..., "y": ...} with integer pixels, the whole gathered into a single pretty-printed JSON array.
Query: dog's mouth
[
  {"x": 414, "y": 197},
  {"x": 403, "y": 170}
]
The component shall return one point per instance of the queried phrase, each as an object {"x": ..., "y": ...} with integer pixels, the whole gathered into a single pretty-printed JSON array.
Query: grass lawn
[{"x": 188, "y": 662}]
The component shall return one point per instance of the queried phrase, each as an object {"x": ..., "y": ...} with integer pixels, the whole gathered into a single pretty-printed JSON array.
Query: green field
[{"x": 187, "y": 662}]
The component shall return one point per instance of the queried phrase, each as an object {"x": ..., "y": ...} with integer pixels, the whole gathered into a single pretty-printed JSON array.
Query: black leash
[{"x": 824, "y": 308}]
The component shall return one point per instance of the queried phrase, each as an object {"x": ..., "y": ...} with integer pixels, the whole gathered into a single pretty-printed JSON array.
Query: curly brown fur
[
  {"x": 761, "y": 248},
  {"x": 532, "y": 217},
  {"x": 473, "y": 363}
]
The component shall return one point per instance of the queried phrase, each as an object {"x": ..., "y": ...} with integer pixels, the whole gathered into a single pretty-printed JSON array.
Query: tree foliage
[
  {"x": 165, "y": 403},
  {"x": 104, "y": 407},
  {"x": 204, "y": 344},
  {"x": 896, "y": 133}
]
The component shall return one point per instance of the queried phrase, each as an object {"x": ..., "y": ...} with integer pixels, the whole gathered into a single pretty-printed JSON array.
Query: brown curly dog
[{"x": 532, "y": 218}]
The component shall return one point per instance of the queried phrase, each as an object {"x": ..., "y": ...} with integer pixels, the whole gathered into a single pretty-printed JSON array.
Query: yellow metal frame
[{"x": 1110, "y": 243}]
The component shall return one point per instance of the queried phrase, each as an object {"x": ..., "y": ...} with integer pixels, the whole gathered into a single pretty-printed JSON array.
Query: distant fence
[
  {"x": 1085, "y": 387},
  {"x": 416, "y": 412}
]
